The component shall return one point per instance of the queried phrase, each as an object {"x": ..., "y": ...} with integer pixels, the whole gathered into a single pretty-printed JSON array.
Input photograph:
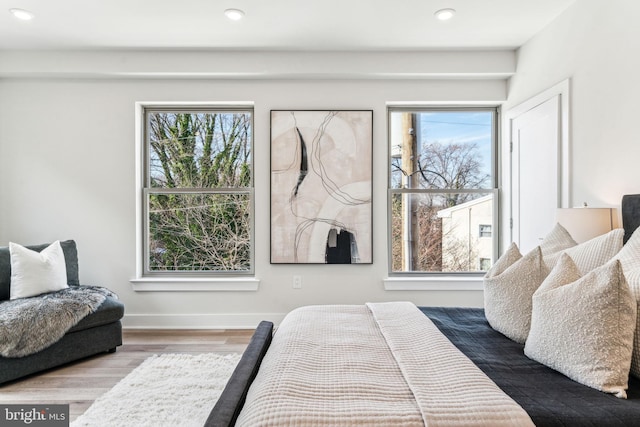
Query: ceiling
[{"x": 341, "y": 25}]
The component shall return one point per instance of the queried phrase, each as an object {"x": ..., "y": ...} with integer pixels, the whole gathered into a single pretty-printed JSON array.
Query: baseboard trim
[{"x": 199, "y": 321}]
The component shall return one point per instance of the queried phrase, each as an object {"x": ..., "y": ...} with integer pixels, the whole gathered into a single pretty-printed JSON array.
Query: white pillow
[
  {"x": 593, "y": 253},
  {"x": 583, "y": 326},
  {"x": 511, "y": 255},
  {"x": 633, "y": 280},
  {"x": 629, "y": 257},
  {"x": 511, "y": 282},
  {"x": 507, "y": 293},
  {"x": 556, "y": 241},
  {"x": 34, "y": 273}
]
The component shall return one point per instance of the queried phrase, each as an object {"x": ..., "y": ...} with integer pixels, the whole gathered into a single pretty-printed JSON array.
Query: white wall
[
  {"x": 595, "y": 44},
  {"x": 67, "y": 147},
  {"x": 67, "y": 171}
]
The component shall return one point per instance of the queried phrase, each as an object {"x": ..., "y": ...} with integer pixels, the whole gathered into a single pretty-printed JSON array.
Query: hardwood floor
[{"x": 80, "y": 383}]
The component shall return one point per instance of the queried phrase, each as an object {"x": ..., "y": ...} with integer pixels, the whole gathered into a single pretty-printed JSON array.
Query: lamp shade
[{"x": 586, "y": 223}]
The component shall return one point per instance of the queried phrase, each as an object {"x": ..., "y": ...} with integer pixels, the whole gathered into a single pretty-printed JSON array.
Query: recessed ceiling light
[
  {"x": 234, "y": 14},
  {"x": 22, "y": 14},
  {"x": 445, "y": 14}
]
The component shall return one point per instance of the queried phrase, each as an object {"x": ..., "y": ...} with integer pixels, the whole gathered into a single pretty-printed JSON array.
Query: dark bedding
[{"x": 550, "y": 398}]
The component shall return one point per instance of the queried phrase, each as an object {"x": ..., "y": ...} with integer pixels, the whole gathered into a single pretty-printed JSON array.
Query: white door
[{"x": 535, "y": 172}]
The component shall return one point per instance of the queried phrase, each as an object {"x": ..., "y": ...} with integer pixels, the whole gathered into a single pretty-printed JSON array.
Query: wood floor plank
[{"x": 80, "y": 383}]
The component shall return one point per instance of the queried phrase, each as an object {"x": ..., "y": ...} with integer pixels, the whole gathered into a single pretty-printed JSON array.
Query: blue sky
[{"x": 458, "y": 127}]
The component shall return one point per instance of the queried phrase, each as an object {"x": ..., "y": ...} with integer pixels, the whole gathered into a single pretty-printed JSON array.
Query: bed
[{"x": 351, "y": 355}]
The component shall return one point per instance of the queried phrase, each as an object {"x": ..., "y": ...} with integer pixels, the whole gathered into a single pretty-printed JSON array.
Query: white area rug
[{"x": 165, "y": 390}]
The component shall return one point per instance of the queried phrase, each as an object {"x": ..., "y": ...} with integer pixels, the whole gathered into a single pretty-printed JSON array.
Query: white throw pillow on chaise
[{"x": 34, "y": 273}]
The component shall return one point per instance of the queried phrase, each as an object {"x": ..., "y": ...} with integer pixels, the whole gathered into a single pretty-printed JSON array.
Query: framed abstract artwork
[{"x": 321, "y": 186}]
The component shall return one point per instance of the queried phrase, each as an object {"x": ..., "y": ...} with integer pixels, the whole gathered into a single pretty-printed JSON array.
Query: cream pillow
[
  {"x": 629, "y": 257},
  {"x": 511, "y": 282},
  {"x": 511, "y": 255},
  {"x": 593, "y": 253},
  {"x": 583, "y": 326},
  {"x": 633, "y": 280},
  {"x": 507, "y": 293},
  {"x": 34, "y": 273},
  {"x": 556, "y": 241}
]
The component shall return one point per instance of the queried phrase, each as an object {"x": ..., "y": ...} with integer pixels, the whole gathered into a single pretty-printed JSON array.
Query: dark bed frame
[
  {"x": 550, "y": 398},
  {"x": 228, "y": 406}
]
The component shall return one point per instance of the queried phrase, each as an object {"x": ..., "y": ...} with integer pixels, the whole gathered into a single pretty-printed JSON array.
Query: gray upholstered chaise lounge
[{"x": 99, "y": 332}]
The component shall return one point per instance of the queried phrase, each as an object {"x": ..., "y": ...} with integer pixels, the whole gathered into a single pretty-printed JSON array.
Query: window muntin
[
  {"x": 198, "y": 191},
  {"x": 441, "y": 188},
  {"x": 484, "y": 230}
]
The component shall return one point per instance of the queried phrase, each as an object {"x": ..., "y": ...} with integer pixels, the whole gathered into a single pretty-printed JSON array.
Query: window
[
  {"x": 485, "y": 264},
  {"x": 442, "y": 189},
  {"x": 197, "y": 198},
  {"x": 485, "y": 230}
]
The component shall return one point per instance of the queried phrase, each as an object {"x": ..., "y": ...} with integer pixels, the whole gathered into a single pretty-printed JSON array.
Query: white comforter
[{"x": 381, "y": 364}]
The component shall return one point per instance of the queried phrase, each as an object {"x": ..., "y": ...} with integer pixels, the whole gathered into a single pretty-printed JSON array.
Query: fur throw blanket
[{"x": 28, "y": 325}]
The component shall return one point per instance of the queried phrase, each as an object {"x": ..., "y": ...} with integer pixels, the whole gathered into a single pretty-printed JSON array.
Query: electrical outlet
[{"x": 297, "y": 282}]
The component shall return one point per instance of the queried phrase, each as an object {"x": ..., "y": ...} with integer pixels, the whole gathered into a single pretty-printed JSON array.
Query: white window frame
[
  {"x": 483, "y": 232},
  {"x": 145, "y": 280},
  {"x": 419, "y": 280}
]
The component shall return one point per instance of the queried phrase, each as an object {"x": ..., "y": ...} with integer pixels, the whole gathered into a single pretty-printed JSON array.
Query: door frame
[{"x": 562, "y": 90}]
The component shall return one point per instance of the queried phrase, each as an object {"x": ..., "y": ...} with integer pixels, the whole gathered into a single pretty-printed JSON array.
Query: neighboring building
[{"x": 466, "y": 235}]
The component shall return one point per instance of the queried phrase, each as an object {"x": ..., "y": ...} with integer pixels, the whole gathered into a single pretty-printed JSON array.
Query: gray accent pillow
[{"x": 583, "y": 326}]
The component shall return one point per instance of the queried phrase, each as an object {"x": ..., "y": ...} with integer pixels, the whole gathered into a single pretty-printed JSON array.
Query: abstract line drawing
[{"x": 321, "y": 176}]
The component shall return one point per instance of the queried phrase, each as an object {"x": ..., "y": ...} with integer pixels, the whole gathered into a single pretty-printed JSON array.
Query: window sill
[
  {"x": 163, "y": 284},
  {"x": 439, "y": 283}
]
